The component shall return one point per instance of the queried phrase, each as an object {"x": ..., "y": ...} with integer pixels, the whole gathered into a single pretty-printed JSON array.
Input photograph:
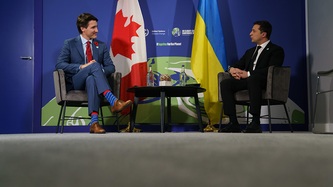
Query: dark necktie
[
  {"x": 88, "y": 52},
  {"x": 254, "y": 56}
]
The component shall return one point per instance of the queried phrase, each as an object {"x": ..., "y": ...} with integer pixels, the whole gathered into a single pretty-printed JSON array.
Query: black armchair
[
  {"x": 78, "y": 98},
  {"x": 320, "y": 74},
  {"x": 276, "y": 92}
]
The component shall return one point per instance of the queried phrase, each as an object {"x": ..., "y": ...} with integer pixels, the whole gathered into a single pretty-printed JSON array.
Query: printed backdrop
[{"x": 169, "y": 30}]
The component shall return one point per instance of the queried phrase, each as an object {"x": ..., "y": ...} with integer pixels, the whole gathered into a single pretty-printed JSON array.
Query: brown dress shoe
[
  {"x": 120, "y": 105},
  {"x": 96, "y": 128}
]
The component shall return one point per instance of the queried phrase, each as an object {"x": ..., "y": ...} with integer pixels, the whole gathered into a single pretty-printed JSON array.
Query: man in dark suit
[
  {"x": 250, "y": 73},
  {"x": 86, "y": 62}
]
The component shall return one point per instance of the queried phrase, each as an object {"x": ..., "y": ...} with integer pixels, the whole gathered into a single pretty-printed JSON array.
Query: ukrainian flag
[{"x": 208, "y": 55}]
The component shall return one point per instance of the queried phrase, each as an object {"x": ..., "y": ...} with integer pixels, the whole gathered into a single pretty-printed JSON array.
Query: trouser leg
[
  {"x": 94, "y": 99},
  {"x": 95, "y": 70},
  {"x": 228, "y": 89},
  {"x": 93, "y": 80},
  {"x": 255, "y": 86}
]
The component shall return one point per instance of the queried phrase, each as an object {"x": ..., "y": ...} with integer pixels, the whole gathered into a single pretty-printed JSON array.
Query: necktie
[
  {"x": 254, "y": 56},
  {"x": 88, "y": 52}
]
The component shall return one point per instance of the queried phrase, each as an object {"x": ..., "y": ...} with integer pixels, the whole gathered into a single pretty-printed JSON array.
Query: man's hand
[
  {"x": 238, "y": 73},
  {"x": 87, "y": 64}
]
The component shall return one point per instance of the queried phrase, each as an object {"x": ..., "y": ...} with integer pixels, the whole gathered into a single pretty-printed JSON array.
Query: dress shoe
[
  {"x": 96, "y": 128},
  {"x": 231, "y": 127},
  {"x": 120, "y": 105},
  {"x": 253, "y": 127}
]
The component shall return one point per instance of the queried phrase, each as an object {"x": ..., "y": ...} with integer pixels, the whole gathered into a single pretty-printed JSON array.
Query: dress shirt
[{"x": 263, "y": 45}]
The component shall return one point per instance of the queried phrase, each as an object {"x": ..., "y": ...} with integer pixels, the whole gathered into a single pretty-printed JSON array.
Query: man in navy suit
[
  {"x": 250, "y": 73},
  {"x": 86, "y": 62}
]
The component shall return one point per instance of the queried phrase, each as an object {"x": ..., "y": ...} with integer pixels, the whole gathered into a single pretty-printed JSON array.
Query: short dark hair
[
  {"x": 265, "y": 26},
  {"x": 83, "y": 20}
]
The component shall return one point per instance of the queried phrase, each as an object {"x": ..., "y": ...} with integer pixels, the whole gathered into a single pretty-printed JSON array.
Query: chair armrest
[
  {"x": 115, "y": 82},
  {"x": 220, "y": 77},
  {"x": 325, "y": 73},
  {"x": 278, "y": 80}
]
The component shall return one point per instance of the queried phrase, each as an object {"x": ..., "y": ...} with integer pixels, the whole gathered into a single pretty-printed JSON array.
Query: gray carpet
[{"x": 166, "y": 159}]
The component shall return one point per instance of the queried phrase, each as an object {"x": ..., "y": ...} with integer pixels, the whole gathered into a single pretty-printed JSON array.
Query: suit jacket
[
  {"x": 72, "y": 56},
  {"x": 272, "y": 55}
]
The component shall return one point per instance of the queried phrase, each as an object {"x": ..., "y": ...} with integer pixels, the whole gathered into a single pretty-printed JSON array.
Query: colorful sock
[
  {"x": 110, "y": 97},
  {"x": 94, "y": 117}
]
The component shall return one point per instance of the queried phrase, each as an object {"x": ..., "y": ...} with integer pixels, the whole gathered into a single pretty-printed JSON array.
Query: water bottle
[
  {"x": 150, "y": 77},
  {"x": 182, "y": 77}
]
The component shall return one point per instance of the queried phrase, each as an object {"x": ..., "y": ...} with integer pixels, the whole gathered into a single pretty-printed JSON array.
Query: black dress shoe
[
  {"x": 253, "y": 127},
  {"x": 231, "y": 127}
]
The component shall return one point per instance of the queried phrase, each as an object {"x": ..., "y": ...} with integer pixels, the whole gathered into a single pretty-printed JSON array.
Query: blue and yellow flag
[{"x": 208, "y": 55}]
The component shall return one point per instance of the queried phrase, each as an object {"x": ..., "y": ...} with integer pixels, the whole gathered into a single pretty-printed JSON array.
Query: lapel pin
[{"x": 96, "y": 44}]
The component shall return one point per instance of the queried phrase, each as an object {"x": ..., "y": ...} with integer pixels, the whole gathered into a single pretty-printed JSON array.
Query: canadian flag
[{"x": 128, "y": 46}]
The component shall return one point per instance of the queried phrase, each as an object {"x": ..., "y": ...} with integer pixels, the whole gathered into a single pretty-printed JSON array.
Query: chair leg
[
  {"x": 314, "y": 112},
  {"x": 315, "y": 104},
  {"x": 285, "y": 109},
  {"x": 269, "y": 116},
  {"x": 116, "y": 122},
  {"x": 247, "y": 114},
  {"x": 63, "y": 118},
  {"x": 102, "y": 116},
  {"x": 57, "y": 129},
  {"x": 220, "y": 123}
]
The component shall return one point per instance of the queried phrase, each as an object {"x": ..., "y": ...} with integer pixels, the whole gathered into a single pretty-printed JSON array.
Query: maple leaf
[{"x": 121, "y": 38}]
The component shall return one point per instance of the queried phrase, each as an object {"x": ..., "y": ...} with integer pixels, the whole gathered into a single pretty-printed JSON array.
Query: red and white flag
[{"x": 128, "y": 46}]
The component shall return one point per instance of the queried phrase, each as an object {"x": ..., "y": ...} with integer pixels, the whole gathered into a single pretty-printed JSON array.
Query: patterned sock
[
  {"x": 110, "y": 97},
  {"x": 94, "y": 117}
]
